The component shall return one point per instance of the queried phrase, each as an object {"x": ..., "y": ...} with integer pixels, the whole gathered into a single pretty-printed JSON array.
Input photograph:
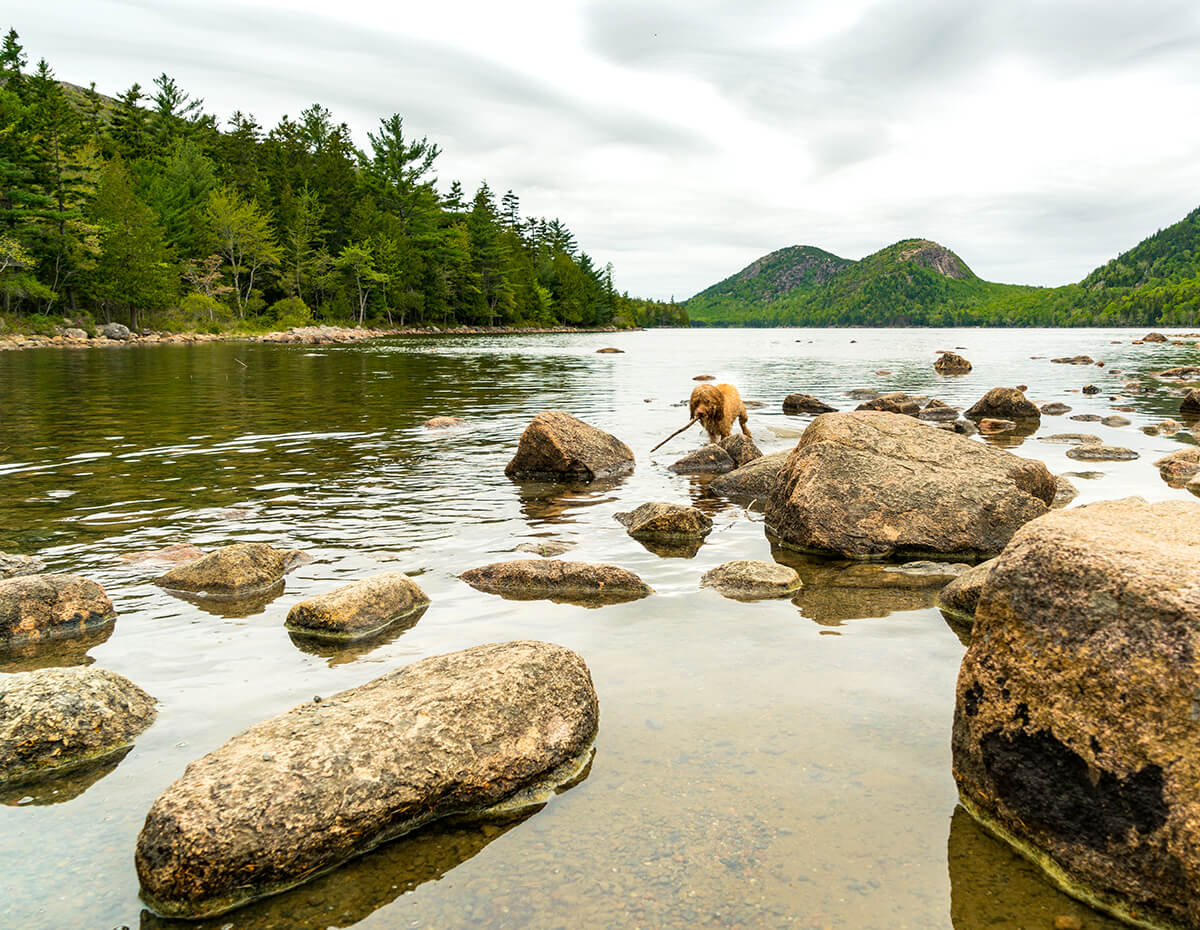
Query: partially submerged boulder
[
  {"x": 662, "y": 521},
  {"x": 873, "y": 485},
  {"x": 801, "y": 404},
  {"x": 1004, "y": 403},
  {"x": 1075, "y": 737},
  {"x": 895, "y": 402},
  {"x": 52, "y": 606},
  {"x": 752, "y": 579},
  {"x": 1190, "y": 405},
  {"x": 12, "y": 565},
  {"x": 960, "y": 597},
  {"x": 493, "y": 727},
  {"x": 443, "y": 422},
  {"x": 707, "y": 460},
  {"x": 236, "y": 571},
  {"x": 1179, "y": 466},
  {"x": 753, "y": 481},
  {"x": 1075, "y": 439},
  {"x": 361, "y": 608},
  {"x": 552, "y": 579},
  {"x": 1154, "y": 337},
  {"x": 951, "y": 363},
  {"x": 1075, "y": 360},
  {"x": 558, "y": 446},
  {"x": 1055, "y": 409},
  {"x": 174, "y": 554},
  {"x": 57, "y": 720},
  {"x": 938, "y": 411},
  {"x": 1065, "y": 492}
]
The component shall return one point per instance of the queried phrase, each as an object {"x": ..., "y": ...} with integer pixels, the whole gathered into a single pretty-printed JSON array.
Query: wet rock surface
[
  {"x": 1074, "y": 734},
  {"x": 296, "y": 795},
  {"x": 1179, "y": 466},
  {"x": 801, "y": 404},
  {"x": 751, "y": 482},
  {"x": 752, "y": 579},
  {"x": 895, "y": 402},
  {"x": 557, "y": 445},
  {"x": 359, "y": 609},
  {"x": 961, "y": 596},
  {"x": 176, "y": 554},
  {"x": 1004, "y": 403},
  {"x": 584, "y": 583},
  {"x": 52, "y": 606},
  {"x": 741, "y": 449},
  {"x": 707, "y": 460},
  {"x": 1092, "y": 452},
  {"x": 951, "y": 363},
  {"x": 874, "y": 485},
  {"x": 664, "y": 521},
  {"x": 236, "y": 571},
  {"x": 13, "y": 565},
  {"x": 56, "y": 720}
]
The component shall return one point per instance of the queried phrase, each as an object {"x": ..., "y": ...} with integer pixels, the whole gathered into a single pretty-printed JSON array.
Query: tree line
[{"x": 143, "y": 209}]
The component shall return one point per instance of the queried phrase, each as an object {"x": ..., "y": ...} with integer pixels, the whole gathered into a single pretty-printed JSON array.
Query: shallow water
[{"x": 758, "y": 764}]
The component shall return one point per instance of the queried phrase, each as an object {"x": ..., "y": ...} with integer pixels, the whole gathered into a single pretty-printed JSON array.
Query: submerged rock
[
  {"x": 1004, "y": 403},
  {"x": 1093, "y": 452},
  {"x": 1116, "y": 421},
  {"x": 56, "y": 720},
  {"x": 1065, "y": 492},
  {"x": 359, "y": 609},
  {"x": 752, "y": 579},
  {"x": 662, "y": 521},
  {"x": 177, "y": 553},
  {"x": 752, "y": 482},
  {"x": 233, "y": 571},
  {"x": 992, "y": 425},
  {"x": 872, "y": 485},
  {"x": 800, "y": 404},
  {"x": 546, "y": 548},
  {"x": 552, "y": 579},
  {"x": 496, "y": 726},
  {"x": 951, "y": 363},
  {"x": 1075, "y": 360},
  {"x": 1086, "y": 439},
  {"x": 443, "y": 422},
  {"x": 1087, "y": 418},
  {"x": 741, "y": 449},
  {"x": 44, "y": 607},
  {"x": 707, "y": 460},
  {"x": 13, "y": 565},
  {"x": 1074, "y": 731},
  {"x": 558, "y": 446}
]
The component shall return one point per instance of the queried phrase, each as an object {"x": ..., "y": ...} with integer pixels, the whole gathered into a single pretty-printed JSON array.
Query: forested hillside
[{"x": 145, "y": 210}]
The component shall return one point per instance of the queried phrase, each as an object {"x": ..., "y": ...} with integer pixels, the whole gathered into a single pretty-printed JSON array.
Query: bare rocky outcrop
[
  {"x": 45, "y": 607},
  {"x": 361, "y": 608},
  {"x": 951, "y": 363},
  {"x": 1074, "y": 732},
  {"x": 558, "y": 446},
  {"x": 235, "y": 571},
  {"x": 802, "y": 404},
  {"x": 662, "y": 521},
  {"x": 493, "y": 727},
  {"x": 584, "y": 583},
  {"x": 751, "y": 482},
  {"x": 752, "y": 579},
  {"x": 873, "y": 485},
  {"x": 1004, "y": 403},
  {"x": 12, "y": 565},
  {"x": 707, "y": 460},
  {"x": 56, "y": 720},
  {"x": 741, "y": 449}
]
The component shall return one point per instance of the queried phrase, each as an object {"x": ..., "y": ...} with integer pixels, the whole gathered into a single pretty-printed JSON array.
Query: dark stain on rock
[
  {"x": 1050, "y": 787},
  {"x": 971, "y": 700}
]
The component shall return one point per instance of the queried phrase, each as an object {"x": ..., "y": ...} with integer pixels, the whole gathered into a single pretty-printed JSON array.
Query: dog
[{"x": 716, "y": 407}]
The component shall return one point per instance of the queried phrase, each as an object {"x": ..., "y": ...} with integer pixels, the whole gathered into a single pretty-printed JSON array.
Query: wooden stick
[{"x": 674, "y": 434}]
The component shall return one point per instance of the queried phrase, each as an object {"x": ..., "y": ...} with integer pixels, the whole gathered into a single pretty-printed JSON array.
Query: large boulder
[
  {"x": 1004, "y": 403},
  {"x": 873, "y": 485},
  {"x": 658, "y": 520},
  {"x": 233, "y": 571},
  {"x": 116, "y": 331},
  {"x": 1075, "y": 736},
  {"x": 1190, "y": 405},
  {"x": 951, "y": 363},
  {"x": 707, "y": 460},
  {"x": 554, "y": 579},
  {"x": 800, "y": 404},
  {"x": 557, "y": 446},
  {"x": 495, "y": 726},
  {"x": 741, "y": 449},
  {"x": 753, "y": 481},
  {"x": 44, "y": 607},
  {"x": 752, "y": 579},
  {"x": 358, "y": 609},
  {"x": 56, "y": 720},
  {"x": 12, "y": 565}
]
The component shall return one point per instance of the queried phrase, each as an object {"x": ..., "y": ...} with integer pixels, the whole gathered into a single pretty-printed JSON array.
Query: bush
[{"x": 290, "y": 312}]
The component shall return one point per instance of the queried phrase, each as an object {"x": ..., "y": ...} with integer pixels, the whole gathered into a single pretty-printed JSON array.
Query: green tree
[
  {"x": 242, "y": 232},
  {"x": 357, "y": 262},
  {"x": 489, "y": 255}
]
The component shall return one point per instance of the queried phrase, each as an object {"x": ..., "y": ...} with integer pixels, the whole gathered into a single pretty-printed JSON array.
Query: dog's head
[{"x": 706, "y": 402}]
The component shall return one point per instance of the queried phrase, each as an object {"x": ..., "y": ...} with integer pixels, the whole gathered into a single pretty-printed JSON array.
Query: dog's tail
[{"x": 676, "y": 433}]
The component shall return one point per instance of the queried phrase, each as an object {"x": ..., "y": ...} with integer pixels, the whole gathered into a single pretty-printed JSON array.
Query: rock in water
[
  {"x": 443, "y": 422},
  {"x": 1075, "y": 737},
  {"x": 1065, "y": 493},
  {"x": 229, "y": 572},
  {"x": 896, "y": 402},
  {"x": 1091, "y": 452},
  {"x": 553, "y": 579},
  {"x": 1004, "y": 403},
  {"x": 1154, "y": 337},
  {"x": 358, "y": 609},
  {"x": 1179, "y": 466},
  {"x": 658, "y": 520},
  {"x": 951, "y": 363},
  {"x": 751, "y": 579},
  {"x": 13, "y": 565},
  {"x": 960, "y": 597},
  {"x": 557, "y": 446},
  {"x": 799, "y": 404},
  {"x": 1190, "y": 405},
  {"x": 116, "y": 331},
  {"x": 873, "y": 485},
  {"x": 43, "y": 607},
  {"x": 752, "y": 482},
  {"x": 708, "y": 460},
  {"x": 55, "y": 720},
  {"x": 494, "y": 726},
  {"x": 741, "y": 449},
  {"x": 1055, "y": 409}
]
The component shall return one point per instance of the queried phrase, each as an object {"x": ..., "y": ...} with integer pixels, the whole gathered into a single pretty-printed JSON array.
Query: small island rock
[
  {"x": 1004, "y": 403},
  {"x": 752, "y": 579},
  {"x": 229, "y": 572},
  {"x": 358, "y": 609},
  {"x": 800, "y": 404},
  {"x": 951, "y": 363},
  {"x": 662, "y": 521},
  {"x": 536, "y": 579},
  {"x": 558, "y": 446},
  {"x": 53, "y": 606}
]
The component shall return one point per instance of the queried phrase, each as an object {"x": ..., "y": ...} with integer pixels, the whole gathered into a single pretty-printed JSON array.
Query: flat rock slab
[
  {"x": 57, "y": 720},
  {"x": 585, "y": 583},
  {"x": 660, "y": 520},
  {"x": 1054, "y": 409},
  {"x": 229, "y": 572},
  {"x": 1075, "y": 737},
  {"x": 751, "y": 482},
  {"x": 1078, "y": 439},
  {"x": 13, "y": 565},
  {"x": 708, "y": 460},
  {"x": 45, "y": 607},
  {"x": 801, "y": 404},
  {"x": 752, "y": 579},
  {"x": 558, "y": 446},
  {"x": 359, "y": 609},
  {"x": 290, "y": 798},
  {"x": 874, "y": 485},
  {"x": 1093, "y": 452}
]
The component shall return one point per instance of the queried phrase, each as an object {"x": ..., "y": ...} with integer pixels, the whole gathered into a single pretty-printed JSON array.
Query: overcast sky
[{"x": 681, "y": 140}]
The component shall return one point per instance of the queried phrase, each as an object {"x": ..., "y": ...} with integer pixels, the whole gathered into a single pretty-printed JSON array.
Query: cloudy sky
[{"x": 681, "y": 140}]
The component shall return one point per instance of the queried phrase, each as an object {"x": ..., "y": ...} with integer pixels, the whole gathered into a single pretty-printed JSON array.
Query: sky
[{"x": 682, "y": 140}]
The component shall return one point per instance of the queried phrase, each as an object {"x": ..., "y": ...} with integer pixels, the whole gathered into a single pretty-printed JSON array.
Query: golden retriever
[{"x": 716, "y": 407}]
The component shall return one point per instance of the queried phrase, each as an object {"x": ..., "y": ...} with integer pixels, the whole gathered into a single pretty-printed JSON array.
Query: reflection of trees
[
  {"x": 54, "y": 653},
  {"x": 340, "y": 652}
]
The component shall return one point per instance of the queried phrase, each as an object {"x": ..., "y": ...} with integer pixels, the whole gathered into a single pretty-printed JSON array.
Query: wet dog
[{"x": 716, "y": 407}]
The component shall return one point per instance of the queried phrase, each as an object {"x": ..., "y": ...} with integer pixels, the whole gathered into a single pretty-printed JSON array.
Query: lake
[{"x": 772, "y": 764}]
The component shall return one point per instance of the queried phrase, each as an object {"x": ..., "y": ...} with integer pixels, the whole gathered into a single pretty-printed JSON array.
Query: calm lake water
[{"x": 771, "y": 764}]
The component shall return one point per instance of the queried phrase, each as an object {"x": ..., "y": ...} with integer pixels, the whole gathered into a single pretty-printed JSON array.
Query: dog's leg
[{"x": 742, "y": 421}]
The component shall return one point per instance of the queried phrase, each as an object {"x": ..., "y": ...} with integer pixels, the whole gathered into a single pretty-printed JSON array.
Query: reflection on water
[
  {"x": 231, "y": 608},
  {"x": 339, "y": 653},
  {"x": 750, "y": 770},
  {"x": 53, "y": 653},
  {"x": 62, "y": 788}
]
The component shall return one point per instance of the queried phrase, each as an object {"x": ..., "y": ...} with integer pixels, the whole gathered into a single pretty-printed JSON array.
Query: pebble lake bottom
[{"x": 772, "y": 764}]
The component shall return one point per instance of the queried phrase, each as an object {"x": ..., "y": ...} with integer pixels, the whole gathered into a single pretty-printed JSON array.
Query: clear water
[{"x": 758, "y": 764}]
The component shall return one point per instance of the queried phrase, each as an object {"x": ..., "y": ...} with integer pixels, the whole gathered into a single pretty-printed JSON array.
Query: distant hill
[{"x": 917, "y": 282}]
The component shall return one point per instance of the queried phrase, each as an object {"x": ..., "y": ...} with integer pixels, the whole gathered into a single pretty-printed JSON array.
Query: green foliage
[{"x": 289, "y": 312}]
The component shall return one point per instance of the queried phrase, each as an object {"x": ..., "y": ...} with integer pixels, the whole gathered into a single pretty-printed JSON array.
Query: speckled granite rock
[
  {"x": 43, "y": 607},
  {"x": 752, "y": 579},
  {"x": 660, "y": 520},
  {"x": 358, "y": 609},
  {"x": 537, "y": 579},
  {"x": 229, "y": 572},
  {"x": 559, "y": 446}
]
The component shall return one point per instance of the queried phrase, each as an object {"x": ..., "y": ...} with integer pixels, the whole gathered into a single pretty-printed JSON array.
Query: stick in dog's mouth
[{"x": 676, "y": 433}]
